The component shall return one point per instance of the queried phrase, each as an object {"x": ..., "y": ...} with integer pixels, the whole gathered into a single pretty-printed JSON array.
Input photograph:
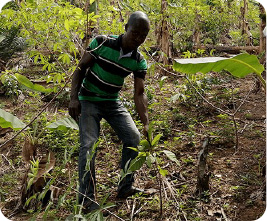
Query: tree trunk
[
  {"x": 196, "y": 32},
  {"x": 203, "y": 175},
  {"x": 89, "y": 8},
  {"x": 262, "y": 26},
  {"x": 245, "y": 27},
  {"x": 164, "y": 36}
]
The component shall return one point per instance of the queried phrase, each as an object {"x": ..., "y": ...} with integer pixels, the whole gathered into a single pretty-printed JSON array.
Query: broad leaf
[
  {"x": 171, "y": 156},
  {"x": 145, "y": 144},
  {"x": 156, "y": 140},
  {"x": 27, "y": 83},
  {"x": 137, "y": 163},
  {"x": 64, "y": 124},
  {"x": 240, "y": 65},
  {"x": 150, "y": 160},
  {"x": 9, "y": 120}
]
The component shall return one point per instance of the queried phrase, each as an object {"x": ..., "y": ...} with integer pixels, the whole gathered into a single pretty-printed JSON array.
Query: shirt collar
[
  {"x": 128, "y": 55},
  {"x": 131, "y": 54}
]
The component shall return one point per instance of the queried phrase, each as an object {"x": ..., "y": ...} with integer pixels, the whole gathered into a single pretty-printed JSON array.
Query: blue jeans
[{"x": 120, "y": 120}]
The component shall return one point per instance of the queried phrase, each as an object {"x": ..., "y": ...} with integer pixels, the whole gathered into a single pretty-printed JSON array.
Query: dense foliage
[{"x": 41, "y": 43}]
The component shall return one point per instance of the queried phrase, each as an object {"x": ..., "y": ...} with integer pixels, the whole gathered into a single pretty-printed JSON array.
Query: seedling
[{"x": 148, "y": 153}]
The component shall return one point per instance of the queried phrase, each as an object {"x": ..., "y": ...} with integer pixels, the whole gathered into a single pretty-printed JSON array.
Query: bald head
[
  {"x": 137, "y": 17},
  {"x": 136, "y": 29}
]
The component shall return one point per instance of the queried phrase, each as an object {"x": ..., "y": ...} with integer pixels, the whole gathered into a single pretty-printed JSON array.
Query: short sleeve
[
  {"x": 141, "y": 69},
  {"x": 94, "y": 45}
]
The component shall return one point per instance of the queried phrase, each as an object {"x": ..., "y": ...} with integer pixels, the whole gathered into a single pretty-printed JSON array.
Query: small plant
[
  {"x": 10, "y": 85},
  {"x": 149, "y": 153},
  {"x": 188, "y": 54},
  {"x": 227, "y": 130},
  {"x": 200, "y": 52},
  {"x": 162, "y": 80}
]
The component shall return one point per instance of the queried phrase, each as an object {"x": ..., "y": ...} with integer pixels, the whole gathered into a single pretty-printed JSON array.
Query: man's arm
[
  {"x": 78, "y": 76},
  {"x": 140, "y": 100}
]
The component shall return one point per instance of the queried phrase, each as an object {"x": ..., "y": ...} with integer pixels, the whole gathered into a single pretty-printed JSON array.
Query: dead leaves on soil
[{"x": 36, "y": 176}]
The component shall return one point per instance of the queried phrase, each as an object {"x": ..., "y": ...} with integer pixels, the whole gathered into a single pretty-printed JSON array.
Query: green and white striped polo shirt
[{"x": 105, "y": 78}]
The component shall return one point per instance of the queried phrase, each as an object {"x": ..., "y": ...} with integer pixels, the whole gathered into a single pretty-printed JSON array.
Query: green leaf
[
  {"x": 81, "y": 35},
  {"x": 64, "y": 124},
  {"x": 133, "y": 148},
  {"x": 9, "y": 120},
  {"x": 156, "y": 140},
  {"x": 66, "y": 24},
  {"x": 30, "y": 198},
  {"x": 108, "y": 205},
  {"x": 150, "y": 159},
  {"x": 163, "y": 172},
  {"x": 137, "y": 163},
  {"x": 145, "y": 144},
  {"x": 36, "y": 59},
  {"x": 171, "y": 156},
  {"x": 27, "y": 83},
  {"x": 162, "y": 81},
  {"x": 65, "y": 58},
  {"x": 2, "y": 37},
  {"x": 239, "y": 65}
]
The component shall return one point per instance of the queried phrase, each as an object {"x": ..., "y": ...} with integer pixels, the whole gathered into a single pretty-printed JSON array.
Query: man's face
[{"x": 136, "y": 35}]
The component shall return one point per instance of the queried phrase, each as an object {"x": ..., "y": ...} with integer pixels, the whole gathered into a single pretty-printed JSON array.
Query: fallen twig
[
  {"x": 224, "y": 216},
  {"x": 133, "y": 208}
]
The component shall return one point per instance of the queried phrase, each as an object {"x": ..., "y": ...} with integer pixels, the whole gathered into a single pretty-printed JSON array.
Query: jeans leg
[
  {"x": 123, "y": 124},
  {"x": 89, "y": 125}
]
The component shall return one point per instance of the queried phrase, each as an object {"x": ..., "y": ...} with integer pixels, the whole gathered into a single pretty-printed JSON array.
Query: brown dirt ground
[{"x": 237, "y": 181}]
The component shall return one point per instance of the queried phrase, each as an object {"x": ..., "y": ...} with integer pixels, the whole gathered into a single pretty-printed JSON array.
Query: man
[{"x": 94, "y": 95}]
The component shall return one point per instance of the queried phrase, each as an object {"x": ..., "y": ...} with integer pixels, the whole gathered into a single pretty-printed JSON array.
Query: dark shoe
[
  {"x": 124, "y": 193},
  {"x": 90, "y": 207}
]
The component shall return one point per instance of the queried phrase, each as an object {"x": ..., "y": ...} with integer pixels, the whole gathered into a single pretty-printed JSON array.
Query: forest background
[{"x": 206, "y": 157}]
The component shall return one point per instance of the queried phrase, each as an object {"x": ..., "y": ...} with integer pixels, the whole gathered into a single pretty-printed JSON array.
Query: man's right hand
[{"x": 75, "y": 109}]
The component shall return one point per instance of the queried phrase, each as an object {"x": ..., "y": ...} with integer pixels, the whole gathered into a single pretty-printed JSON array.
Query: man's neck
[{"x": 124, "y": 47}]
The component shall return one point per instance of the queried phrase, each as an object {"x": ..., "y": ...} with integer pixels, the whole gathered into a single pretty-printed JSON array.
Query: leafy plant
[
  {"x": 54, "y": 33},
  {"x": 9, "y": 120},
  {"x": 37, "y": 181},
  {"x": 10, "y": 85},
  {"x": 162, "y": 80},
  {"x": 148, "y": 153},
  {"x": 64, "y": 124},
  {"x": 10, "y": 43},
  {"x": 188, "y": 54}
]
